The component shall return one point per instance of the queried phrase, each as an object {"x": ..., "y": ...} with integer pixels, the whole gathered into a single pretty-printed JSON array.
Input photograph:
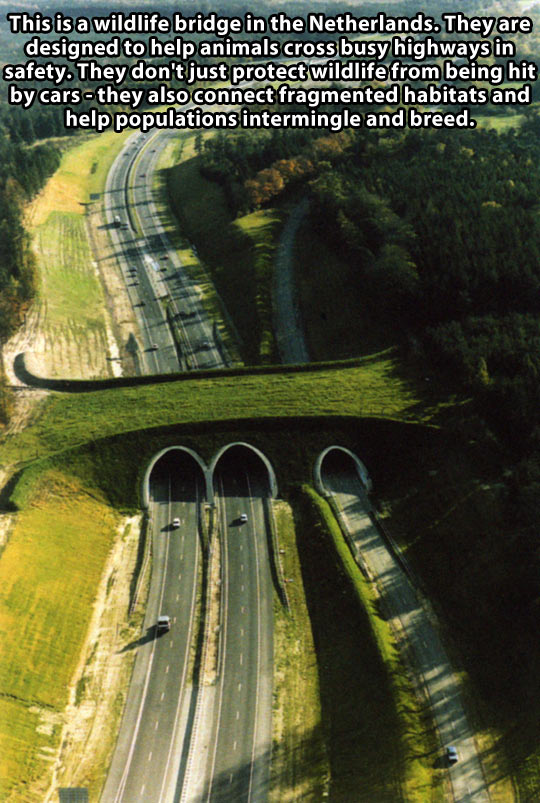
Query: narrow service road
[{"x": 427, "y": 652}]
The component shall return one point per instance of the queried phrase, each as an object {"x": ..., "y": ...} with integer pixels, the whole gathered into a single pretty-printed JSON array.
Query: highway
[
  {"x": 233, "y": 744},
  {"x": 148, "y": 753},
  {"x": 156, "y": 739},
  {"x": 160, "y": 291},
  {"x": 427, "y": 653}
]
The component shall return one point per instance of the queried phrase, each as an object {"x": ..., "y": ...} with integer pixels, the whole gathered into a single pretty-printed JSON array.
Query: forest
[
  {"x": 440, "y": 232},
  {"x": 443, "y": 231}
]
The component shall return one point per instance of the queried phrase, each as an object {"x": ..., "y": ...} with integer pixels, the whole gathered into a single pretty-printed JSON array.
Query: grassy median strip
[
  {"x": 49, "y": 572},
  {"x": 300, "y": 769},
  {"x": 380, "y": 740}
]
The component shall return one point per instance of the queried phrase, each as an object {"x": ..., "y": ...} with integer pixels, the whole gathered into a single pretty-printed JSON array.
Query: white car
[
  {"x": 243, "y": 518},
  {"x": 452, "y": 756},
  {"x": 176, "y": 523}
]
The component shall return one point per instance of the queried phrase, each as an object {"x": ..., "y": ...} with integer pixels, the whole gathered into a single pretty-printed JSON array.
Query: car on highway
[
  {"x": 163, "y": 624},
  {"x": 452, "y": 756},
  {"x": 154, "y": 347},
  {"x": 243, "y": 518},
  {"x": 176, "y": 523}
]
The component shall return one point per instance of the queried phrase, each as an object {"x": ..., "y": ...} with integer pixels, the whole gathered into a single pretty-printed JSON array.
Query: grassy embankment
[
  {"x": 72, "y": 329},
  {"x": 381, "y": 743},
  {"x": 372, "y": 388},
  {"x": 339, "y": 322},
  {"x": 49, "y": 572},
  {"x": 238, "y": 254},
  {"x": 177, "y": 152},
  {"x": 300, "y": 769}
]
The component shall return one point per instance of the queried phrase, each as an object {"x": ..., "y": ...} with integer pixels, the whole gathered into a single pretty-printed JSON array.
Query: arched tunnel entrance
[
  {"x": 177, "y": 472},
  {"x": 337, "y": 466},
  {"x": 240, "y": 469},
  {"x": 244, "y": 481},
  {"x": 177, "y": 477}
]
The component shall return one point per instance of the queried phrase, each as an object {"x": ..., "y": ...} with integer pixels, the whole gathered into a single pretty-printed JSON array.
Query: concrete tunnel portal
[
  {"x": 243, "y": 460},
  {"x": 198, "y": 478},
  {"x": 179, "y": 471},
  {"x": 339, "y": 459}
]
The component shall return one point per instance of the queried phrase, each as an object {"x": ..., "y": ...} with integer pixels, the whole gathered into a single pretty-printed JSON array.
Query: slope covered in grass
[{"x": 49, "y": 572}]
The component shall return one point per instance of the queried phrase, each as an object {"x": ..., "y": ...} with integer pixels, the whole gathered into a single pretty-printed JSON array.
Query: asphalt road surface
[
  {"x": 233, "y": 743},
  {"x": 146, "y": 762},
  {"x": 154, "y": 274},
  {"x": 427, "y": 652}
]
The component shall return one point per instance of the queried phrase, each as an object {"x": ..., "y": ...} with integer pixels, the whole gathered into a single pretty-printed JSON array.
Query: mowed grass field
[
  {"x": 49, "y": 572},
  {"x": 72, "y": 306},
  {"x": 71, "y": 338},
  {"x": 372, "y": 388},
  {"x": 82, "y": 172}
]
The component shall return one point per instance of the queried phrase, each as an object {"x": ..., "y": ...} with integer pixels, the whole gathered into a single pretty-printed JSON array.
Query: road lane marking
[
  {"x": 177, "y": 597},
  {"x": 162, "y": 695},
  {"x": 167, "y": 670},
  {"x": 234, "y": 745},
  {"x": 241, "y": 631},
  {"x": 243, "y": 587},
  {"x": 241, "y": 658},
  {"x": 238, "y": 715},
  {"x": 241, "y": 567},
  {"x": 239, "y": 686},
  {"x": 142, "y": 789},
  {"x": 156, "y": 725},
  {"x": 150, "y": 756}
]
